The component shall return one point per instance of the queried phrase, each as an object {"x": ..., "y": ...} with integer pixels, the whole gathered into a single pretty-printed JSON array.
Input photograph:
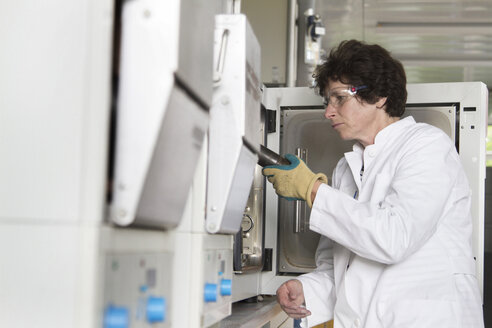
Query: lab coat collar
[
  {"x": 355, "y": 158},
  {"x": 399, "y": 125},
  {"x": 383, "y": 135}
]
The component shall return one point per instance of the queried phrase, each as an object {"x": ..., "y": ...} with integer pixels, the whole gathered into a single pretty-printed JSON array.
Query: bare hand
[{"x": 290, "y": 296}]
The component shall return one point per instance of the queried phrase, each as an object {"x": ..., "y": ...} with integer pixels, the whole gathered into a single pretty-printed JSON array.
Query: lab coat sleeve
[
  {"x": 318, "y": 286},
  {"x": 410, "y": 203}
]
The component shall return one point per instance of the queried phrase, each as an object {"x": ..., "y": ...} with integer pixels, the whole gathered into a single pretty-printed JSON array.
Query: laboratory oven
[{"x": 459, "y": 109}]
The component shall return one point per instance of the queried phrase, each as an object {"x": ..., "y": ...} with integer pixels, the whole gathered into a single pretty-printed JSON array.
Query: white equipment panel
[
  {"x": 163, "y": 102},
  {"x": 138, "y": 289},
  {"x": 234, "y": 123},
  {"x": 54, "y": 107},
  {"x": 211, "y": 288},
  {"x": 203, "y": 262},
  {"x": 218, "y": 285},
  {"x": 139, "y": 270}
]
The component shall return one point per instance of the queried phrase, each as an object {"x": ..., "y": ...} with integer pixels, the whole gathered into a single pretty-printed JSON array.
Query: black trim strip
[
  {"x": 302, "y": 107},
  {"x": 182, "y": 85},
  {"x": 250, "y": 147},
  {"x": 457, "y": 123}
]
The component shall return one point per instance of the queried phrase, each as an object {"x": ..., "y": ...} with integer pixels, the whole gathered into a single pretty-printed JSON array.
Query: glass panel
[{"x": 305, "y": 129}]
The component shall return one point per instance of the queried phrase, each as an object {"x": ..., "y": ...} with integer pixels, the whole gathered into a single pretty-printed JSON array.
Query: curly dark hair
[{"x": 356, "y": 63}]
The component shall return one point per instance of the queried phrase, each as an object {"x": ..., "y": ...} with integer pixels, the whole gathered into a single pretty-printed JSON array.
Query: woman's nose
[{"x": 329, "y": 111}]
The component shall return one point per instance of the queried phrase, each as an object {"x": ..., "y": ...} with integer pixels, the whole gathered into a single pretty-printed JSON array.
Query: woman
[{"x": 395, "y": 246}]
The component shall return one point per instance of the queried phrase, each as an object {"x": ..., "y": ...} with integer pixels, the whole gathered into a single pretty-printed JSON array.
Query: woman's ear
[{"x": 381, "y": 102}]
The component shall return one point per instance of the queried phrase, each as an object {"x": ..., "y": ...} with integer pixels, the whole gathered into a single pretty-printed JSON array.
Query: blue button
[
  {"x": 210, "y": 293},
  {"x": 116, "y": 317},
  {"x": 225, "y": 287},
  {"x": 156, "y": 309}
]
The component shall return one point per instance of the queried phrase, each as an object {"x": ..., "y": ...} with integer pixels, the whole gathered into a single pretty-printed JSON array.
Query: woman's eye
[{"x": 340, "y": 99}]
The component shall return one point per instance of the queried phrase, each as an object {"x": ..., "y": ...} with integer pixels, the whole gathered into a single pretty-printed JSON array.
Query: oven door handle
[
  {"x": 299, "y": 205},
  {"x": 221, "y": 54}
]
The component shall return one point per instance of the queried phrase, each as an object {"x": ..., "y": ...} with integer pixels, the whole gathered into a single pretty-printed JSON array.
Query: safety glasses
[{"x": 339, "y": 96}]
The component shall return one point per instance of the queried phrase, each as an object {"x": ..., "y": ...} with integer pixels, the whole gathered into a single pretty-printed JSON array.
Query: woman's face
[{"x": 351, "y": 118}]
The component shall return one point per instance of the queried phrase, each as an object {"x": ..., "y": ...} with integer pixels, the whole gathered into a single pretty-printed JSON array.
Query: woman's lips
[{"x": 335, "y": 125}]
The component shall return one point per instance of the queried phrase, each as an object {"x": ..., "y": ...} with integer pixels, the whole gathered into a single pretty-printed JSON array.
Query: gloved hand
[{"x": 294, "y": 181}]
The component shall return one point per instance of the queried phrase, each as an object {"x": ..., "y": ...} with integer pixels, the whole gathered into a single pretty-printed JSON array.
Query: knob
[
  {"x": 210, "y": 293},
  {"x": 225, "y": 287},
  {"x": 116, "y": 317},
  {"x": 156, "y": 309},
  {"x": 247, "y": 223}
]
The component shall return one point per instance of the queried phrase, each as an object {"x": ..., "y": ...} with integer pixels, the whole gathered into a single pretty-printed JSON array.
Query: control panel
[
  {"x": 137, "y": 290},
  {"x": 217, "y": 287}
]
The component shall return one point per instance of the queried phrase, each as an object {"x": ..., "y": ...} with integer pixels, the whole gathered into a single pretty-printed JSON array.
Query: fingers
[
  {"x": 296, "y": 311},
  {"x": 293, "y": 159},
  {"x": 291, "y": 297},
  {"x": 266, "y": 174},
  {"x": 293, "y": 163}
]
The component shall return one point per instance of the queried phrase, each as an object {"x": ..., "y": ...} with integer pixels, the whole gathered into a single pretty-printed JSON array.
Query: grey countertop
[{"x": 254, "y": 314}]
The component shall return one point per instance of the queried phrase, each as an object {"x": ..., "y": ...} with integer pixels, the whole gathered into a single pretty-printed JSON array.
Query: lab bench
[{"x": 262, "y": 314}]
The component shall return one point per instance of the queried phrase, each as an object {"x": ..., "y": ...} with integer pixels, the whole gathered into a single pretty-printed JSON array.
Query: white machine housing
[
  {"x": 164, "y": 96},
  {"x": 55, "y": 91},
  {"x": 202, "y": 293},
  {"x": 55, "y": 110},
  {"x": 198, "y": 264},
  {"x": 234, "y": 123},
  {"x": 470, "y": 99},
  {"x": 161, "y": 169},
  {"x": 139, "y": 266}
]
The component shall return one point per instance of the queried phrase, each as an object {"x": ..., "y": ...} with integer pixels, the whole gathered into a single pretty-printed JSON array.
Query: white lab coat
[{"x": 399, "y": 255}]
